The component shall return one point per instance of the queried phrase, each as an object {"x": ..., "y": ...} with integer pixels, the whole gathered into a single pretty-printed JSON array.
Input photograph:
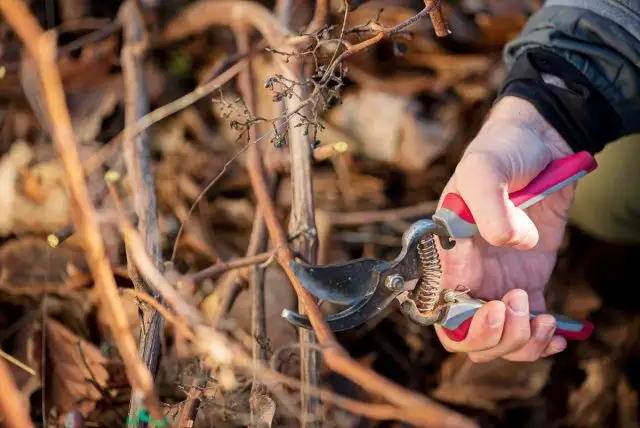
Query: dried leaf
[
  {"x": 404, "y": 138},
  {"x": 76, "y": 363},
  {"x": 264, "y": 411},
  {"x": 39, "y": 204},
  {"x": 30, "y": 266},
  {"x": 484, "y": 385},
  {"x": 581, "y": 301},
  {"x": 591, "y": 404},
  {"x": 627, "y": 399},
  {"x": 10, "y": 164}
]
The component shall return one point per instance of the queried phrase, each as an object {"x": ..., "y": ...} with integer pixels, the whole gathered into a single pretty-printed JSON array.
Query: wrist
[{"x": 512, "y": 110}]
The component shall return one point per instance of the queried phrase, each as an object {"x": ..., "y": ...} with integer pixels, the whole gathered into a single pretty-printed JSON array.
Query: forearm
[{"x": 592, "y": 47}]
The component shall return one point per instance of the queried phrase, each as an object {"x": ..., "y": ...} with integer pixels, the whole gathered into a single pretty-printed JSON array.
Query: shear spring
[{"x": 428, "y": 291}]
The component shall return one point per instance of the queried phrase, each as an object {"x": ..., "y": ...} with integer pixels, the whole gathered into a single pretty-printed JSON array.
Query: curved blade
[
  {"x": 342, "y": 283},
  {"x": 351, "y": 317}
]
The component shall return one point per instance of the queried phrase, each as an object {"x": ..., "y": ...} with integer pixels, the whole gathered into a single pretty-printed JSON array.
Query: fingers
[
  {"x": 503, "y": 329},
  {"x": 541, "y": 342},
  {"x": 516, "y": 332},
  {"x": 482, "y": 182}
]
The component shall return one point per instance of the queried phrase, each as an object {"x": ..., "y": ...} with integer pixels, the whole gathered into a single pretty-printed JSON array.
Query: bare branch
[{"x": 139, "y": 169}]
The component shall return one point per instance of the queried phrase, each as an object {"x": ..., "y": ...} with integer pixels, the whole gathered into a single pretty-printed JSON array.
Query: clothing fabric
[
  {"x": 593, "y": 47},
  {"x": 578, "y": 62}
]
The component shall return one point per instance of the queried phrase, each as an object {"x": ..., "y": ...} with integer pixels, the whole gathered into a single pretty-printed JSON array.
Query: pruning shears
[{"x": 367, "y": 286}]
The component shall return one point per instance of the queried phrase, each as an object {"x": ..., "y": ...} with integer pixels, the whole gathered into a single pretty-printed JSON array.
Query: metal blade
[
  {"x": 344, "y": 284},
  {"x": 354, "y": 315}
]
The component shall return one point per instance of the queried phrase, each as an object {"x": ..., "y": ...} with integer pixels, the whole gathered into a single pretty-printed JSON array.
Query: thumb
[{"x": 483, "y": 185}]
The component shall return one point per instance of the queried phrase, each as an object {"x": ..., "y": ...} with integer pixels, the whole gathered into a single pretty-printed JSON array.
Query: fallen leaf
[
  {"x": 75, "y": 363},
  {"x": 591, "y": 404},
  {"x": 264, "y": 411},
  {"x": 627, "y": 400},
  {"x": 581, "y": 301},
  {"x": 405, "y": 138},
  {"x": 30, "y": 266},
  {"x": 485, "y": 385},
  {"x": 19, "y": 156}
]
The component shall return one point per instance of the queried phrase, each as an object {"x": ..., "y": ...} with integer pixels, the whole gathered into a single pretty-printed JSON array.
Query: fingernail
[
  {"x": 495, "y": 318},
  {"x": 560, "y": 346},
  {"x": 543, "y": 332},
  {"x": 519, "y": 303}
]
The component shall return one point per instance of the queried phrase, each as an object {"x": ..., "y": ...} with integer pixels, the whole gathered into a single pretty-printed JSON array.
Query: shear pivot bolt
[
  {"x": 449, "y": 296},
  {"x": 394, "y": 282}
]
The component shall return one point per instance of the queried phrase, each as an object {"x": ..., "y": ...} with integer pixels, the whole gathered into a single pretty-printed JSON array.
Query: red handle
[
  {"x": 558, "y": 174},
  {"x": 566, "y": 327}
]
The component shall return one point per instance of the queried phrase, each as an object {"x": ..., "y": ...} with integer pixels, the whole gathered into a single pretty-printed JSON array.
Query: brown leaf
[
  {"x": 19, "y": 156},
  {"x": 32, "y": 199},
  {"x": 591, "y": 404},
  {"x": 404, "y": 138},
  {"x": 484, "y": 385},
  {"x": 581, "y": 301},
  {"x": 29, "y": 266},
  {"x": 265, "y": 410},
  {"x": 75, "y": 362},
  {"x": 627, "y": 399}
]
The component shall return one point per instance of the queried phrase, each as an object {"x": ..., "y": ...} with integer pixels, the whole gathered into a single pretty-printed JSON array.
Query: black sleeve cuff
[{"x": 580, "y": 114}]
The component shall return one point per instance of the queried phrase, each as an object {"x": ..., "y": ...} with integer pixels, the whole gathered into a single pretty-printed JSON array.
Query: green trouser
[{"x": 607, "y": 202}]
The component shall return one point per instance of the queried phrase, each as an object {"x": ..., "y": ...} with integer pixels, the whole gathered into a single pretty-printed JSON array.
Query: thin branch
[
  {"x": 319, "y": 19},
  {"x": 16, "y": 362},
  {"x": 222, "y": 267},
  {"x": 302, "y": 223},
  {"x": 136, "y": 151},
  {"x": 186, "y": 100},
  {"x": 259, "y": 237},
  {"x": 355, "y": 218},
  {"x": 13, "y": 409},
  {"x": 42, "y": 48},
  {"x": 440, "y": 25}
]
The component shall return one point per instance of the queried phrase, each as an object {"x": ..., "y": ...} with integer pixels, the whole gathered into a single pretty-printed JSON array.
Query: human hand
[{"x": 513, "y": 257}]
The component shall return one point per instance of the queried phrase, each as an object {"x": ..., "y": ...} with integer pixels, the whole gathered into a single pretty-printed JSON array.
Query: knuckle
[{"x": 500, "y": 235}]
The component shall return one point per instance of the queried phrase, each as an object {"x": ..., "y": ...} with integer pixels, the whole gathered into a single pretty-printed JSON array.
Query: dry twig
[
  {"x": 138, "y": 161},
  {"x": 259, "y": 237},
  {"x": 222, "y": 267}
]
